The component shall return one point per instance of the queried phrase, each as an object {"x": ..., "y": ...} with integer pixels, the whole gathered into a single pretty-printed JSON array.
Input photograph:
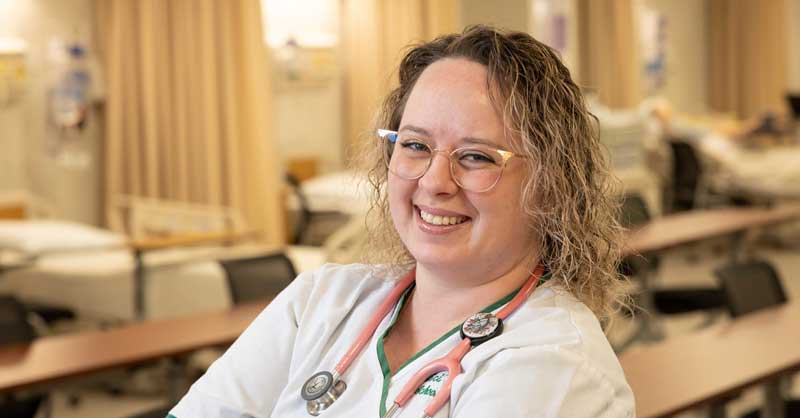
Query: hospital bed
[
  {"x": 767, "y": 174},
  {"x": 174, "y": 246},
  {"x": 753, "y": 161}
]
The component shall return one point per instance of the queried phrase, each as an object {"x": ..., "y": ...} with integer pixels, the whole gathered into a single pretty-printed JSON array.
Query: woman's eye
[
  {"x": 477, "y": 157},
  {"x": 414, "y": 146}
]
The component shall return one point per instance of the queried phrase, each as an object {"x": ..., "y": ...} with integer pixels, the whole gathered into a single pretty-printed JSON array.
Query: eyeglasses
[{"x": 476, "y": 168}]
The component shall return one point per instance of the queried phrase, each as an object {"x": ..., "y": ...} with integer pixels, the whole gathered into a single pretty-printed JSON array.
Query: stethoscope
[{"x": 323, "y": 388}]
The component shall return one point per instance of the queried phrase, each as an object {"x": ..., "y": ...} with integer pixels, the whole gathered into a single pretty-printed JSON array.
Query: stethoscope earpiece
[{"x": 320, "y": 391}]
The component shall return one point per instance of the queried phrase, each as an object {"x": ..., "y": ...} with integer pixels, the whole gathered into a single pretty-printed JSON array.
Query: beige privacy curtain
[
  {"x": 374, "y": 35},
  {"x": 609, "y": 51},
  {"x": 187, "y": 113},
  {"x": 747, "y": 63}
]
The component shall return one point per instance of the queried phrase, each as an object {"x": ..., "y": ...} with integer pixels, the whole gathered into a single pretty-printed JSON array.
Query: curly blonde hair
[{"x": 567, "y": 194}]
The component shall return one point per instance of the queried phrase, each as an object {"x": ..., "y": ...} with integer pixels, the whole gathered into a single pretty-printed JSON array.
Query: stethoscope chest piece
[
  {"x": 481, "y": 327},
  {"x": 320, "y": 391}
]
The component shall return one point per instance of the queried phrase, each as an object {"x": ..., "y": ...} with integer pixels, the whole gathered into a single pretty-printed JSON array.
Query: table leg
[
  {"x": 138, "y": 284},
  {"x": 176, "y": 375},
  {"x": 774, "y": 406},
  {"x": 717, "y": 409},
  {"x": 651, "y": 329},
  {"x": 738, "y": 247},
  {"x": 47, "y": 406}
]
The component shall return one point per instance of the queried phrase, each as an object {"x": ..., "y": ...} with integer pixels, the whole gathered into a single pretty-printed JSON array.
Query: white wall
[
  {"x": 307, "y": 120},
  {"x": 25, "y": 164},
  {"x": 306, "y": 89},
  {"x": 12, "y": 170},
  {"x": 541, "y": 26},
  {"x": 687, "y": 53}
]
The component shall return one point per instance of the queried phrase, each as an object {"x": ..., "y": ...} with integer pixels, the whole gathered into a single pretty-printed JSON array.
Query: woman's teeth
[{"x": 441, "y": 220}]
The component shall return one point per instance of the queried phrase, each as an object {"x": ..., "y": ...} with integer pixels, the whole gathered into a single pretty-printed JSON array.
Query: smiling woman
[{"x": 492, "y": 199}]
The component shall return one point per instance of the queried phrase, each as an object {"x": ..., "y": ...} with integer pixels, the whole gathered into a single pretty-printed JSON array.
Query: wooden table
[
  {"x": 687, "y": 227},
  {"x": 52, "y": 359},
  {"x": 714, "y": 364}
]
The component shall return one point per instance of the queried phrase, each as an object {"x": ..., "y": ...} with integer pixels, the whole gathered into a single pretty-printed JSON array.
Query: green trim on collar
[
  {"x": 171, "y": 416},
  {"x": 387, "y": 375}
]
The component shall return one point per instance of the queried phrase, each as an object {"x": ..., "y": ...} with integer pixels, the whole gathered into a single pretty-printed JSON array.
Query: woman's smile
[{"x": 438, "y": 221}]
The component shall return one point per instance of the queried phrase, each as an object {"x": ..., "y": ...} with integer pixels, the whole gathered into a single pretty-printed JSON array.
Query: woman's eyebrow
[
  {"x": 415, "y": 129},
  {"x": 482, "y": 141}
]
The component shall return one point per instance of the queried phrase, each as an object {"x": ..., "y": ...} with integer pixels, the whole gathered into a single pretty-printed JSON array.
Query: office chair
[
  {"x": 793, "y": 99},
  {"x": 750, "y": 286},
  {"x": 51, "y": 314},
  {"x": 687, "y": 173},
  {"x": 15, "y": 329},
  {"x": 258, "y": 278},
  {"x": 666, "y": 301},
  {"x": 303, "y": 217}
]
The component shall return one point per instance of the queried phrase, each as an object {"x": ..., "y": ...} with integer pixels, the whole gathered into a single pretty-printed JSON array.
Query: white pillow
[{"x": 35, "y": 236}]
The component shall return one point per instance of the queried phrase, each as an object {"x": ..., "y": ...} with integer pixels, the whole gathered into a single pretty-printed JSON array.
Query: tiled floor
[{"x": 691, "y": 265}]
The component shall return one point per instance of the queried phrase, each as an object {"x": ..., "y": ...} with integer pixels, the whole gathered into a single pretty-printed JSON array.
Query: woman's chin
[{"x": 439, "y": 256}]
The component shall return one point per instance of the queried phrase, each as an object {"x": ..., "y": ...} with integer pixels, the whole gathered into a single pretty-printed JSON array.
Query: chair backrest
[
  {"x": 14, "y": 325},
  {"x": 750, "y": 286},
  {"x": 15, "y": 329},
  {"x": 20, "y": 407},
  {"x": 258, "y": 278},
  {"x": 794, "y": 103},
  {"x": 302, "y": 217},
  {"x": 634, "y": 211},
  {"x": 686, "y": 172}
]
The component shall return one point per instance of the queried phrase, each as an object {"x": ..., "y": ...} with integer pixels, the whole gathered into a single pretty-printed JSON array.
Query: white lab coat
[{"x": 552, "y": 359}]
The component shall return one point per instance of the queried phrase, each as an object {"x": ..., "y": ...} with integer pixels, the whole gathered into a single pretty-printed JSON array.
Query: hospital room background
[{"x": 164, "y": 163}]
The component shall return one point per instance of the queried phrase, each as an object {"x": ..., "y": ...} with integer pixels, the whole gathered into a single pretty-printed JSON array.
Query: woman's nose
[{"x": 438, "y": 179}]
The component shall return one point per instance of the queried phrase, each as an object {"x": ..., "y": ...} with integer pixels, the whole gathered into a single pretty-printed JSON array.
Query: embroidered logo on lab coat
[{"x": 432, "y": 385}]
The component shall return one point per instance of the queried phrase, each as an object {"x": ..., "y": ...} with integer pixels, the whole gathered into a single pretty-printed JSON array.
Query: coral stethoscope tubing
[{"x": 323, "y": 388}]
